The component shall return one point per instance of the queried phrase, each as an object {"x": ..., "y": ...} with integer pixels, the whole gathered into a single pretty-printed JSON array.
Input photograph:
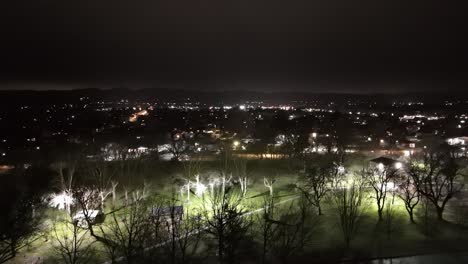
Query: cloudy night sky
[{"x": 270, "y": 45}]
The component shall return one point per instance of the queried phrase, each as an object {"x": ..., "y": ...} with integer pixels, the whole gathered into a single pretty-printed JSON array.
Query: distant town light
[
  {"x": 407, "y": 153},
  {"x": 242, "y": 107},
  {"x": 314, "y": 135}
]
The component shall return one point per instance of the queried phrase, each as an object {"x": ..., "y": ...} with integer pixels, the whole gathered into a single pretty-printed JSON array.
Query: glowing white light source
[
  {"x": 236, "y": 143},
  {"x": 341, "y": 169},
  {"x": 398, "y": 165},
  {"x": 242, "y": 107},
  {"x": 390, "y": 186},
  {"x": 314, "y": 135},
  {"x": 62, "y": 201},
  {"x": 380, "y": 166},
  {"x": 200, "y": 188}
]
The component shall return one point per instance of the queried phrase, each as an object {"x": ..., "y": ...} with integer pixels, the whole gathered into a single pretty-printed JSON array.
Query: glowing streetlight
[
  {"x": 341, "y": 170},
  {"x": 62, "y": 201},
  {"x": 398, "y": 165},
  {"x": 380, "y": 166},
  {"x": 200, "y": 188}
]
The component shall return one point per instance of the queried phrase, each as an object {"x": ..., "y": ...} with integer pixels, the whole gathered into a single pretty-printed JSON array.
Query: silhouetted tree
[
  {"x": 267, "y": 227},
  {"x": 408, "y": 193},
  {"x": 72, "y": 242},
  {"x": 317, "y": 179},
  {"x": 21, "y": 207},
  {"x": 347, "y": 201},
  {"x": 226, "y": 222},
  {"x": 437, "y": 177},
  {"x": 379, "y": 178}
]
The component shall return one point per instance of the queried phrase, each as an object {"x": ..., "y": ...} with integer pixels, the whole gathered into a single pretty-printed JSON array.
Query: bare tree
[
  {"x": 287, "y": 232},
  {"x": 240, "y": 170},
  {"x": 226, "y": 222},
  {"x": 72, "y": 242},
  {"x": 267, "y": 226},
  {"x": 379, "y": 178},
  {"x": 66, "y": 178},
  {"x": 307, "y": 222},
  {"x": 408, "y": 193},
  {"x": 18, "y": 228},
  {"x": 104, "y": 184},
  {"x": 268, "y": 182},
  {"x": 178, "y": 147},
  {"x": 317, "y": 179},
  {"x": 348, "y": 205},
  {"x": 127, "y": 231},
  {"x": 66, "y": 171},
  {"x": 437, "y": 177},
  {"x": 183, "y": 236},
  {"x": 389, "y": 219},
  {"x": 192, "y": 170}
]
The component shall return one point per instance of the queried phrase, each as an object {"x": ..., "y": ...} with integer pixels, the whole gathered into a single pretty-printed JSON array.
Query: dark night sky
[{"x": 342, "y": 46}]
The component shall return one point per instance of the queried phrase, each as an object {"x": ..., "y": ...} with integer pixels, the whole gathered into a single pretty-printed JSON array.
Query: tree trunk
[
  {"x": 410, "y": 212},
  {"x": 440, "y": 212},
  {"x": 379, "y": 211}
]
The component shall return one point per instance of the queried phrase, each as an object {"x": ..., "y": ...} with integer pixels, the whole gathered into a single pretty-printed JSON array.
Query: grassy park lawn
[{"x": 395, "y": 236}]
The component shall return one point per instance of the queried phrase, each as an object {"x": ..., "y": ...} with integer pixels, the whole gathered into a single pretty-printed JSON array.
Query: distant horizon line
[{"x": 237, "y": 91}]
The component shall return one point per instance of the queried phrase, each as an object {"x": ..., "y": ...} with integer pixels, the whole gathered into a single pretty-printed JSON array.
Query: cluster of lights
[{"x": 397, "y": 165}]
